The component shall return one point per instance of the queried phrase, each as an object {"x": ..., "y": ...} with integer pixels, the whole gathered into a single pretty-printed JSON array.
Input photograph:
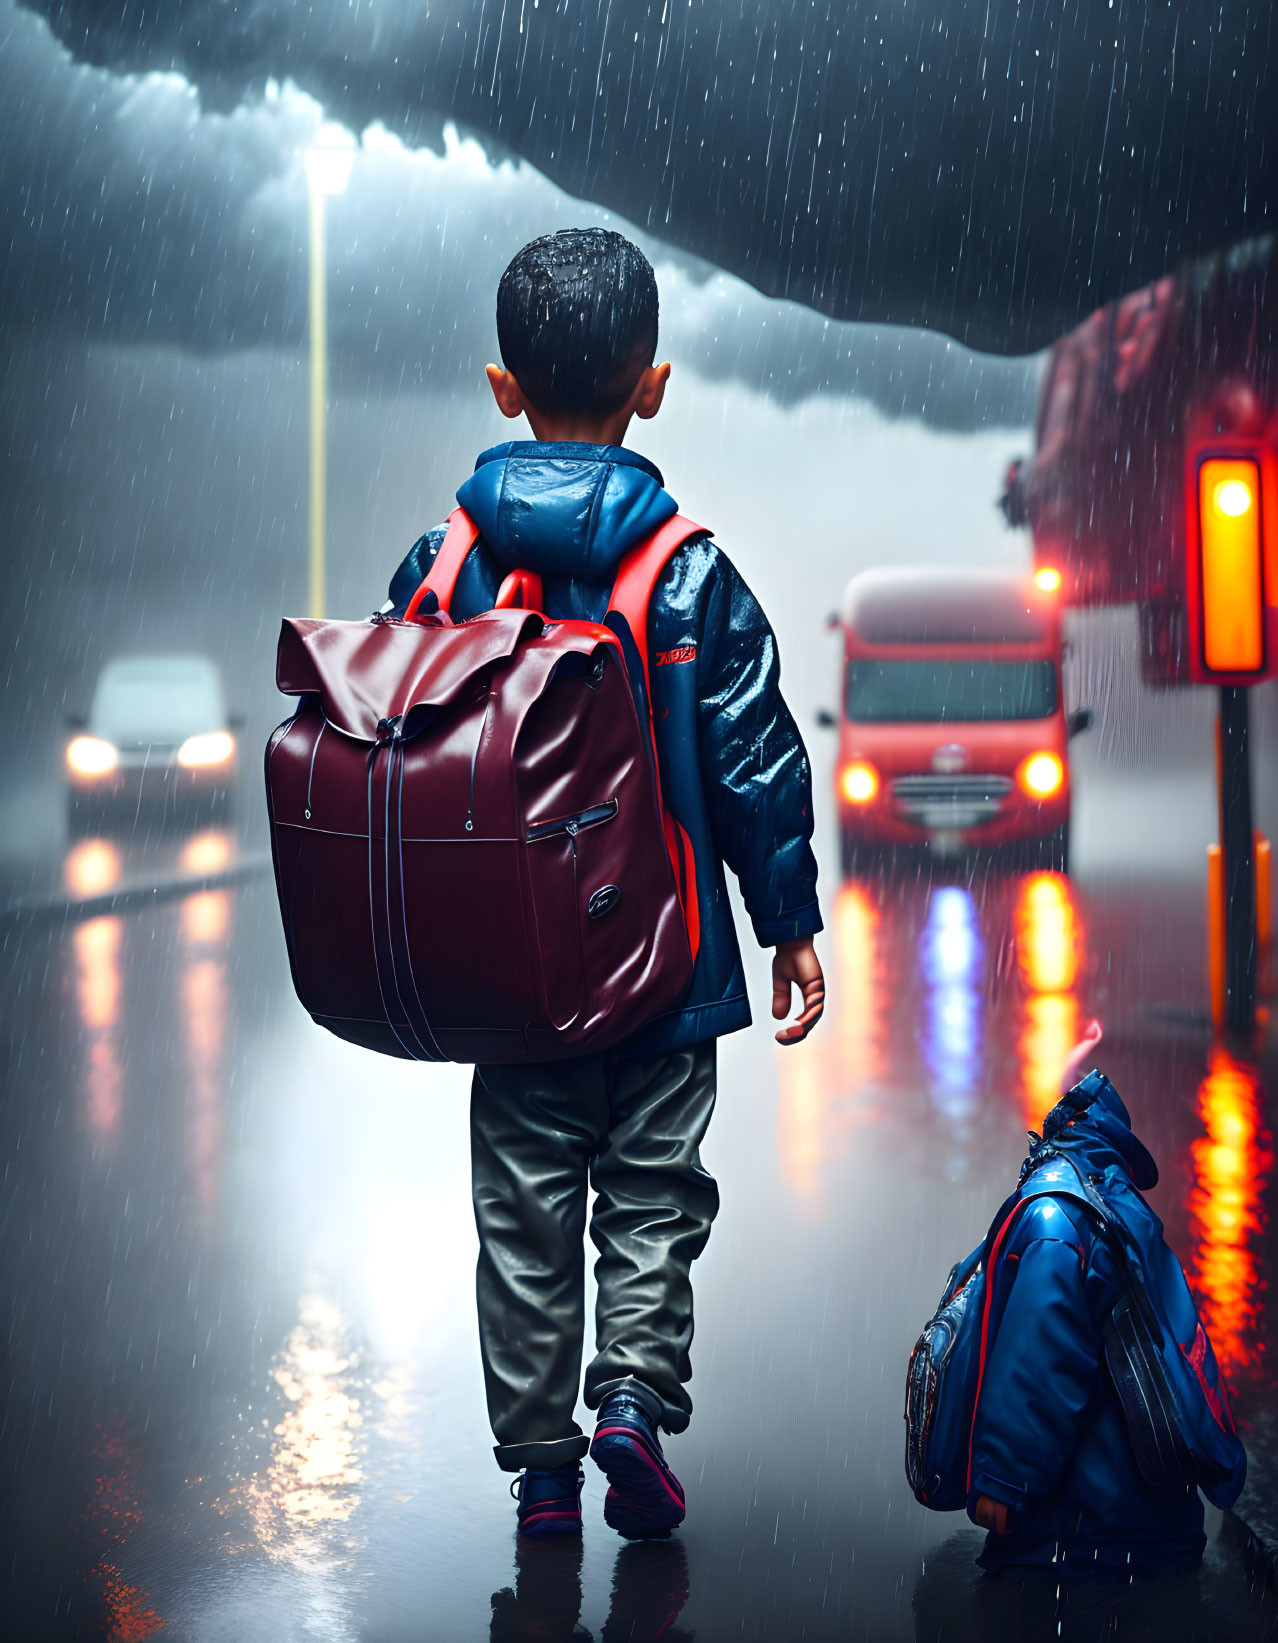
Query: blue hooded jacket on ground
[
  {"x": 1049, "y": 1439},
  {"x": 733, "y": 766}
]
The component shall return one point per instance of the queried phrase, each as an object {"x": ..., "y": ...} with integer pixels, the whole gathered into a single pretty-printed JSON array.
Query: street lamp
[{"x": 328, "y": 170}]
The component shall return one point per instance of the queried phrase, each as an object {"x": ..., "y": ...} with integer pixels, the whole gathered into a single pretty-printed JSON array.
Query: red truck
[{"x": 952, "y": 726}]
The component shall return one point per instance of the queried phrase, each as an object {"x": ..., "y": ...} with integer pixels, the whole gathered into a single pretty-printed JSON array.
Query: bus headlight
[
  {"x": 859, "y": 782},
  {"x": 1041, "y": 775}
]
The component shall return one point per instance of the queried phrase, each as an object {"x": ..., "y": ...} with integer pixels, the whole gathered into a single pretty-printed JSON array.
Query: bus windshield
[{"x": 931, "y": 691}]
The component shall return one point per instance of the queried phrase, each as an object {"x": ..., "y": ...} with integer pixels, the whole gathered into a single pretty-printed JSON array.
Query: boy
[{"x": 577, "y": 329}]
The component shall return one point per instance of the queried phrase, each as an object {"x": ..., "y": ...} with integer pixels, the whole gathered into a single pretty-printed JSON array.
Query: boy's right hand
[{"x": 795, "y": 964}]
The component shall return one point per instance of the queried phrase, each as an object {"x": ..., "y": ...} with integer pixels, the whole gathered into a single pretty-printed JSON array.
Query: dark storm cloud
[
  {"x": 991, "y": 168},
  {"x": 134, "y": 215}
]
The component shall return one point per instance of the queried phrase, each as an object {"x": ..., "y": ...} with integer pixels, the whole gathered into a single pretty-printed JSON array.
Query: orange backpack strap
[
  {"x": 632, "y": 592},
  {"x": 442, "y": 576},
  {"x": 637, "y": 576}
]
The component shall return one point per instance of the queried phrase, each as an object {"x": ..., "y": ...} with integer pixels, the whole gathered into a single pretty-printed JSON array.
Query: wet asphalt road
[{"x": 245, "y": 1398}]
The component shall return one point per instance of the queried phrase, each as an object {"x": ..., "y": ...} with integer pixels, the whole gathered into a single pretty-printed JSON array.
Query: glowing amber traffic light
[{"x": 1232, "y": 576}]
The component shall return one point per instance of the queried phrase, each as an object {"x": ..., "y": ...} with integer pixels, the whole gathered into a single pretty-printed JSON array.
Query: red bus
[{"x": 952, "y": 727}]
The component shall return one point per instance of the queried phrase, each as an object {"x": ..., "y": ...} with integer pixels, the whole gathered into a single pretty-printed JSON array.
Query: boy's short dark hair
[{"x": 577, "y": 319}]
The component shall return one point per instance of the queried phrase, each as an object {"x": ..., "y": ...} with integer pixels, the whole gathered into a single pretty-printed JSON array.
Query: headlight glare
[
  {"x": 859, "y": 781},
  {"x": 212, "y": 747},
  {"x": 1041, "y": 775},
  {"x": 91, "y": 756}
]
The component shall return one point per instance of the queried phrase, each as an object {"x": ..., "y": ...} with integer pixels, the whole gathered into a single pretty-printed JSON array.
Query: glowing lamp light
[
  {"x": 91, "y": 756},
  {"x": 1041, "y": 775},
  {"x": 1232, "y": 497},
  {"x": 1047, "y": 579},
  {"x": 213, "y": 747},
  {"x": 329, "y": 160},
  {"x": 1232, "y": 593},
  {"x": 859, "y": 782}
]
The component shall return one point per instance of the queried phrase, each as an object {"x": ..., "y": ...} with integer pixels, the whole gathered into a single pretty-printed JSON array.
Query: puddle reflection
[
  {"x": 91, "y": 868},
  {"x": 95, "y": 947},
  {"x": 1049, "y": 947},
  {"x": 1232, "y": 1160},
  {"x": 205, "y": 926},
  {"x": 650, "y": 1587},
  {"x": 860, "y": 1025},
  {"x": 818, "y": 1081},
  {"x": 951, "y": 958},
  {"x": 313, "y": 1477},
  {"x": 114, "y": 1515}
]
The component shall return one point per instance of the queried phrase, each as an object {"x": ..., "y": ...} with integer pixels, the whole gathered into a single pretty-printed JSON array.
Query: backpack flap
[{"x": 366, "y": 672}]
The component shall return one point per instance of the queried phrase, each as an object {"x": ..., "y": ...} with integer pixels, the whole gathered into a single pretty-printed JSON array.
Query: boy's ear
[
  {"x": 650, "y": 390},
  {"x": 506, "y": 391}
]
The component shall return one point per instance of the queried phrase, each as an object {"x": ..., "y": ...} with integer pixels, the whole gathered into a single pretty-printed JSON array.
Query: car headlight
[
  {"x": 1041, "y": 775},
  {"x": 212, "y": 747},
  {"x": 859, "y": 781},
  {"x": 91, "y": 756}
]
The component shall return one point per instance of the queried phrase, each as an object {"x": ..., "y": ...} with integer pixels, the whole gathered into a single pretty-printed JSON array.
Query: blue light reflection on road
[{"x": 951, "y": 957}]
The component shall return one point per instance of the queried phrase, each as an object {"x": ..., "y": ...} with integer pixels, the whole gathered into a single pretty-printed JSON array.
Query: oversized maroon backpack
[{"x": 471, "y": 852}]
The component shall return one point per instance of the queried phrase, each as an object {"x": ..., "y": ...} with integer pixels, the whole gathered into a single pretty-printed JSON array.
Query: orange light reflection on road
[
  {"x": 206, "y": 853},
  {"x": 96, "y": 947},
  {"x": 1047, "y": 935},
  {"x": 115, "y": 1512},
  {"x": 816, "y": 1080},
  {"x": 1231, "y": 1162},
  {"x": 91, "y": 868},
  {"x": 1049, "y": 941},
  {"x": 859, "y": 1025},
  {"x": 206, "y": 918}
]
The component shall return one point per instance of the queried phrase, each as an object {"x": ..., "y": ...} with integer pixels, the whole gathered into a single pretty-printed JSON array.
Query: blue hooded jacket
[
  {"x": 733, "y": 767},
  {"x": 1049, "y": 1439}
]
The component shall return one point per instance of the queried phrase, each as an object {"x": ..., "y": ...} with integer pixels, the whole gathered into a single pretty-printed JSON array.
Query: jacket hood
[
  {"x": 1092, "y": 1120},
  {"x": 564, "y": 509}
]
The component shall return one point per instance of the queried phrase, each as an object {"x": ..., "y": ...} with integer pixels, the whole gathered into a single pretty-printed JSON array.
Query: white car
[{"x": 158, "y": 734}]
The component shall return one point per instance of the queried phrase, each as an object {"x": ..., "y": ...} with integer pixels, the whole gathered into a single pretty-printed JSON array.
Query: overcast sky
[
  {"x": 131, "y": 214},
  {"x": 993, "y": 168},
  {"x": 154, "y": 391}
]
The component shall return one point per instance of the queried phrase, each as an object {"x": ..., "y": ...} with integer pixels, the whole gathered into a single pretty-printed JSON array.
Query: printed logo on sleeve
[{"x": 670, "y": 658}]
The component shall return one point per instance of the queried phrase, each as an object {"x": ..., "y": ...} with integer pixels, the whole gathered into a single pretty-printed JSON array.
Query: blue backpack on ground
[{"x": 1158, "y": 1355}]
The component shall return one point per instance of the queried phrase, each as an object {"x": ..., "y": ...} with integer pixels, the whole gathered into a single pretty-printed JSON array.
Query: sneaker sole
[
  {"x": 644, "y": 1502},
  {"x": 539, "y": 1525}
]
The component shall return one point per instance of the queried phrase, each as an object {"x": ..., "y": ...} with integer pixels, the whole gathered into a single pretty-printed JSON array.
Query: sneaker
[
  {"x": 644, "y": 1499},
  {"x": 549, "y": 1502}
]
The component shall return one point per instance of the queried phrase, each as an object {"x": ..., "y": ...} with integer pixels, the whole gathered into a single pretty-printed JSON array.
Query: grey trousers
[{"x": 540, "y": 1136}]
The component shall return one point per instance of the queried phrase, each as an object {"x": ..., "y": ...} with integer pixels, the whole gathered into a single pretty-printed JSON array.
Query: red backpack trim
[{"x": 441, "y": 579}]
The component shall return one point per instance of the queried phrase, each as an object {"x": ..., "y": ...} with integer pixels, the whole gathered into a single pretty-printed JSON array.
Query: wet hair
[{"x": 577, "y": 319}]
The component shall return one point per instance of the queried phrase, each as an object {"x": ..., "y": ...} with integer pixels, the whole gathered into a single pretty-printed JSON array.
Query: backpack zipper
[{"x": 572, "y": 825}]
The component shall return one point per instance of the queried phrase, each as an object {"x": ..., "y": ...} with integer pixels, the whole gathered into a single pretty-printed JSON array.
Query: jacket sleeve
[
  {"x": 1040, "y": 1371},
  {"x": 758, "y": 783}
]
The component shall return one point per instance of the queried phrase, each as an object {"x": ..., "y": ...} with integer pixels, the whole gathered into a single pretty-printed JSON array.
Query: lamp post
[{"x": 328, "y": 170}]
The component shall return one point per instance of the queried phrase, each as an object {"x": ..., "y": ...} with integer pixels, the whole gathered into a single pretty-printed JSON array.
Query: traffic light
[{"x": 1227, "y": 593}]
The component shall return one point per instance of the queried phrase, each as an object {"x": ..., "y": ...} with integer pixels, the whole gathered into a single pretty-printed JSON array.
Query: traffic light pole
[{"x": 1239, "y": 860}]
